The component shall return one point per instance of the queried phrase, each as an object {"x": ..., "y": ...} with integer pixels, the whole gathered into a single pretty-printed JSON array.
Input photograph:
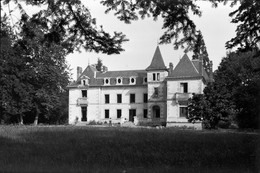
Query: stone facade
[{"x": 156, "y": 94}]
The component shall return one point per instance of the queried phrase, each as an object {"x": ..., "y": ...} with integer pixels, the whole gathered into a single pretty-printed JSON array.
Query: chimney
[
  {"x": 210, "y": 71},
  {"x": 79, "y": 71},
  {"x": 170, "y": 68}
]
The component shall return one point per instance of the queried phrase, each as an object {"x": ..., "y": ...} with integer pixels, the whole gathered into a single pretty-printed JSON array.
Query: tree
[
  {"x": 99, "y": 64},
  {"x": 233, "y": 96}
]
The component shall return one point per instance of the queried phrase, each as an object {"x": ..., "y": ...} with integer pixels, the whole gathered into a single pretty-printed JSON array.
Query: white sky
[{"x": 143, "y": 36}]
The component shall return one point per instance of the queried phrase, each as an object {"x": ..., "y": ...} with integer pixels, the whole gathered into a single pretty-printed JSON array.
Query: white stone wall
[
  {"x": 173, "y": 108},
  {"x": 96, "y": 102},
  {"x": 74, "y": 110}
]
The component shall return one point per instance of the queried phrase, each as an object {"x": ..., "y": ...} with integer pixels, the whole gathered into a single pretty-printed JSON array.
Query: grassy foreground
[{"x": 109, "y": 149}]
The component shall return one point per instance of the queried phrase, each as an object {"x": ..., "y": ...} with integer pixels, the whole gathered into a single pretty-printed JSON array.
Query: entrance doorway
[
  {"x": 156, "y": 111},
  {"x": 84, "y": 113},
  {"x": 132, "y": 114}
]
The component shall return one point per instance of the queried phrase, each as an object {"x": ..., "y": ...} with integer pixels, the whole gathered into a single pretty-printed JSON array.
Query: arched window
[{"x": 156, "y": 111}]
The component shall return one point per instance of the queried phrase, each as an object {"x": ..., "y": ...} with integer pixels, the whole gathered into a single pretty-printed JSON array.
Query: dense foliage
[{"x": 233, "y": 97}]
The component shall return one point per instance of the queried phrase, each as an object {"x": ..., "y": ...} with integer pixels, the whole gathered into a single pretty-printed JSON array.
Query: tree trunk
[
  {"x": 21, "y": 119},
  {"x": 36, "y": 116}
]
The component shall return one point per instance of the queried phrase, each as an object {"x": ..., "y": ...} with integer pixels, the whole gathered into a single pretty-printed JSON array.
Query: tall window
[
  {"x": 106, "y": 113},
  {"x": 184, "y": 87},
  {"x": 119, "y": 113},
  {"x": 156, "y": 91},
  {"x": 132, "y": 98},
  {"x": 145, "y": 98},
  {"x": 156, "y": 111},
  {"x": 158, "y": 76},
  {"x": 145, "y": 113},
  {"x": 183, "y": 111},
  {"x": 84, "y": 93},
  {"x": 119, "y": 98},
  {"x": 154, "y": 77},
  {"x": 106, "y": 98}
]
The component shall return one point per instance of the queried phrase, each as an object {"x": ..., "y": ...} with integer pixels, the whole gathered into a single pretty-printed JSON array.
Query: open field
[{"x": 110, "y": 149}]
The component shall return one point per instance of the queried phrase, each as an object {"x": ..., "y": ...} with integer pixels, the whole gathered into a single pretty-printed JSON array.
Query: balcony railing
[
  {"x": 182, "y": 96},
  {"x": 82, "y": 101}
]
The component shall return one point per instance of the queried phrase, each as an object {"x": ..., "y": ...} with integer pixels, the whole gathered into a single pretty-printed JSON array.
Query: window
[
  {"x": 119, "y": 80},
  {"x": 132, "y": 98},
  {"x": 156, "y": 111},
  {"x": 106, "y": 81},
  {"x": 145, "y": 98},
  {"x": 106, "y": 98},
  {"x": 158, "y": 76},
  {"x": 145, "y": 80},
  {"x": 106, "y": 113},
  {"x": 119, "y": 113},
  {"x": 183, "y": 111},
  {"x": 132, "y": 80},
  {"x": 84, "y": 93},
  {"x": 154, "y": 77},
  {"x": 184, "y": 87},
  {"x": 119, "y": 98},
  {"x": 83, "y": 113},
  {"x": 145, "y": 113},
  {"x": 156, "y": 91}
]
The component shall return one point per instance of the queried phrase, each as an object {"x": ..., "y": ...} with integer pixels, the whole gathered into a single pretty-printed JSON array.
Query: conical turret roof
[{"x": 157, "y": 61}]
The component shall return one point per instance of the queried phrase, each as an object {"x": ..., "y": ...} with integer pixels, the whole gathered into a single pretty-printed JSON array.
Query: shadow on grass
[{"x": 83, "y": 149}]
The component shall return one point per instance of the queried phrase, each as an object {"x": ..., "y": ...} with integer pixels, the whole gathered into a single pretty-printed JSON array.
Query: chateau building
[{"x": 155, "y": 94}]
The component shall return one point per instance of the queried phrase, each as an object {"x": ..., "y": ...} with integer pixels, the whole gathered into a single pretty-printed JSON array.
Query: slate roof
[
  {"x": 187, "y": 69},
  {"x": 98, "y": 78},
  {"x": 157, "y": 61}
]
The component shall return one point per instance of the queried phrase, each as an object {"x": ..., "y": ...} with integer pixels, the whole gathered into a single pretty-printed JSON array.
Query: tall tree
[{"x": 234, "y": 96}]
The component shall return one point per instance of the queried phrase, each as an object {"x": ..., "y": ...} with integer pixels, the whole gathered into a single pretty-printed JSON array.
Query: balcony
[
  {"x": 82, "y": 101},
  {"x": 182, "y": 96}
]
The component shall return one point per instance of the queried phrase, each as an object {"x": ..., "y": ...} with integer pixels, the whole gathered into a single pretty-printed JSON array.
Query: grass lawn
[{"x": 115, "y": 149}]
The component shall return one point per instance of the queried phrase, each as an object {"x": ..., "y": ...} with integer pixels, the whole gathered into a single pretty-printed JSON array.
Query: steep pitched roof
[
  {"x": 157, "y": 61},
  {"x": 185, "y": 68}
]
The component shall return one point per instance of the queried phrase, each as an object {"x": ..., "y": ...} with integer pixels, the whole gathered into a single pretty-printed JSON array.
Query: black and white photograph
[{"x": 129, "y": 86}]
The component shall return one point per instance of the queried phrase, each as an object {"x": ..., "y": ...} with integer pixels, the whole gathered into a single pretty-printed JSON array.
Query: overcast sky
[{"x": 143, "y": 36}]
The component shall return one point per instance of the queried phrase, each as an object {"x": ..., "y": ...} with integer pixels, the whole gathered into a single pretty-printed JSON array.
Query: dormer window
[
  {"x": 145, "y": 80},
  {"x": 84, "y": 80},
  {"x": 132, "y": 80},
  {"x": 119, "y": 81},
  {"x": 106, "y": 81}
]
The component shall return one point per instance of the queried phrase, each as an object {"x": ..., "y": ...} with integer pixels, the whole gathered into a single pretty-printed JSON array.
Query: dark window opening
[
  {"x": 154, "y": 77},
  {"x": 107, "y": 81},
  {"x": 184, "y": 87},
  {"x": 183, "y": 111},
  {"x": 106, "y": 113},
  {"x": 145, "y": 113},
  {"x": 132, "y": 98},
  {"x": 84, "y": 113},
  {"x": 119, "y": 81},
  {"x": 106, "y": 98},
  {"x": 156, "y": 111},
  {"x": 132, "y": 114},
  {"x": 119, "y": 98},
  {"x": 156, "y": 92},
  {"x": 119, "y": 113},
  {"x": 84, "y": 82},
  {"x": 145, "y": 80},
  {"x": 145, "y": 98},
  {"x": 84, "y": 93},
  {"x": 132, "y": 80}
]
